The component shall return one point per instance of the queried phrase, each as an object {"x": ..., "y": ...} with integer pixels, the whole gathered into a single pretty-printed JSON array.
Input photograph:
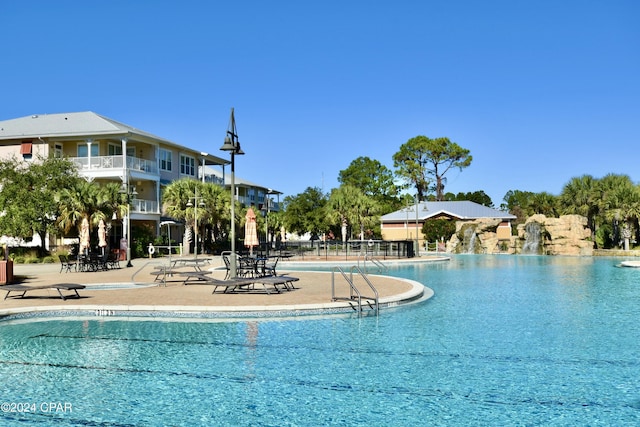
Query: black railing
[{"x": 381, "y": 249}]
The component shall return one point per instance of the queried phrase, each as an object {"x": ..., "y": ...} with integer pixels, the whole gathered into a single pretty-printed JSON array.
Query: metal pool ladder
[
  {"x": 355, "y": 295},
  {"x": 376, "y": 262}
]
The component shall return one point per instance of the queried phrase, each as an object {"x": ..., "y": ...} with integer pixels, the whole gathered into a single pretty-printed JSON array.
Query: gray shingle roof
[
  {"x": 80, "y": 124},
  {"x": 463, "y": 210}
]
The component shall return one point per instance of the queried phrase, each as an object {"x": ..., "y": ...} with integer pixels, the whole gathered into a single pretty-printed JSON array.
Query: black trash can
[{"x": 410, "y": 250}]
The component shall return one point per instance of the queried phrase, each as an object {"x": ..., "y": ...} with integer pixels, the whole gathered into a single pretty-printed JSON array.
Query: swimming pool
[{"x": 507, "y": 340}]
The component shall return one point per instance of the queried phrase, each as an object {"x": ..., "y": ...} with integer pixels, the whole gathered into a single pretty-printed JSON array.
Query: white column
[
  {"x": 89, "y": 142},
  {"x": 124, "y": 158},
  {"x": 125, "y": 180},
  {"x": 159, "y": 202}
]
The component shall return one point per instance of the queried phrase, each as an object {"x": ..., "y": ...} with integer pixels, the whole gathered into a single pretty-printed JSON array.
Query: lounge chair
[
  {"x": 161, "y": 274},
  {"x": 198, "y": 276},
  {"x": 285, "y": 281},
  {"x": 58, "y": 286},
  {"x": 229, "y": 285}
]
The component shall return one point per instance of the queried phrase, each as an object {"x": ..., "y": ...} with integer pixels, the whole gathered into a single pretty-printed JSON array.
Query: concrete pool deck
[{"x": 133, "y": 290}]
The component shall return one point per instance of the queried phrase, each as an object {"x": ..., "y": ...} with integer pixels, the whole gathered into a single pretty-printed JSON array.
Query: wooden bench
[{"x": 58, "y": 286}]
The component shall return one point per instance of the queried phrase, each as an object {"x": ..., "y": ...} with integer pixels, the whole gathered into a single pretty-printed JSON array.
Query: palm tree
[
  {"x": 630, "y": 211},
  {"x": 350, "y": 207},
  {"x": 580, "y": 196},
  {"x": 111, "y": 200},
  {"x": 619, "y": 203},
  {"x": 212, "y": 207},
  {"x": 623, "y": 205},
  {"x": 175, "y": 199},
  {"x": 78, "y": 201},
  {"x": 216, "y": 212},
  {"x": 544, "y": 203},
  {"x": 338, "y": 208},
  {"x": 275, "y": 222}
]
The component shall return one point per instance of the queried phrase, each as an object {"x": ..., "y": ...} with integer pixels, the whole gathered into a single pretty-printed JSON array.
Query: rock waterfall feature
[
  {"x": 567, "y": 235},
  {"x": 532, "y": 239}
]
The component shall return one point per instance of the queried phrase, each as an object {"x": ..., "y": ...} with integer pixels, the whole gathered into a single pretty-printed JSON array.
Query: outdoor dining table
[
  {"x": 92, "y": 262},
  {"x": 253, "y": 265}
]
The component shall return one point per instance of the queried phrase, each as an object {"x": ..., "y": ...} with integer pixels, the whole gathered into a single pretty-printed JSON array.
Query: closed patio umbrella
[
  {"x": 250, "y": 231},
  {"x": 102, "y": 235},
  {"x": 84, "y": 236}
]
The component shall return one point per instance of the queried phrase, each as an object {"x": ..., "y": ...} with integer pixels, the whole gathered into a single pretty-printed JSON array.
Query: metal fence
[{"x": 317, "y": 249}]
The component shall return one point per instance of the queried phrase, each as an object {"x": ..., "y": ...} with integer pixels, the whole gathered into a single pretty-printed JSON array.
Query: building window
[
  {"x": 26, "y": 150},
  {"x": 115, "y": 150},
  {"x": 57, "y": 151},
  {"x": 166, "y": 160},
  {"x": 83, "y": 151},
  {"x": 187, "y": 165}
]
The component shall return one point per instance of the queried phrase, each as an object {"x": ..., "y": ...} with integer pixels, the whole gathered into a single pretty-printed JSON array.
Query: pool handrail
[{"x": 354, "y": 292}]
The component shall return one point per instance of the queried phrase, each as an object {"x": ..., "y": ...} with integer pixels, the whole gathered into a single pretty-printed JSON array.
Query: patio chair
[
  {"x": 66, "y": 263},
  {"x": 113, "y": 260},
  {"x": 101, "y": 261},
  {"x": 227, "y": 264},
  {"x": 246, "y": 267},
  {"x": 85, "y": 264},
  {"x": 270, "y": 266}
]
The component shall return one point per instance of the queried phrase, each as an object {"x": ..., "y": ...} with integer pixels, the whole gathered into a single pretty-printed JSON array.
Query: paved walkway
[{"x": 105, "y": 291}]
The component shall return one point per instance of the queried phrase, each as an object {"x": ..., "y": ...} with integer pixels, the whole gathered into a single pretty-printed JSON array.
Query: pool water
[{"x": 506, "y": 340}]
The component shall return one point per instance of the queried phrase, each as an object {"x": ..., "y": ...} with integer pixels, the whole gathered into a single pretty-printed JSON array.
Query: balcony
[
  {"x": 144, "y": 206},
  {"x": 105, "y": 163}
]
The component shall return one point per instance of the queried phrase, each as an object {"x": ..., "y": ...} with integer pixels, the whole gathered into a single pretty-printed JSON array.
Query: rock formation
[{"x": 567, "y": 235}]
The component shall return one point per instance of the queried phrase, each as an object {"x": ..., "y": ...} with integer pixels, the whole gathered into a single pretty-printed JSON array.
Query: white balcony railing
[
  {"x": 144, "y": 206},
  {"x": 115, "y": 162}
]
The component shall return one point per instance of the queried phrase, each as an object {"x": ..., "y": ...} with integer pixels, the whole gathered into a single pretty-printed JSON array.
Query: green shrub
[
  {"x": 437, "y": 229},
  {"x": 604, "y": 236}
]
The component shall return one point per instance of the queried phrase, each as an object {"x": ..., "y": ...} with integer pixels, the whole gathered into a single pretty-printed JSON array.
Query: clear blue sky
[{"x": 538, "y": 91}]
